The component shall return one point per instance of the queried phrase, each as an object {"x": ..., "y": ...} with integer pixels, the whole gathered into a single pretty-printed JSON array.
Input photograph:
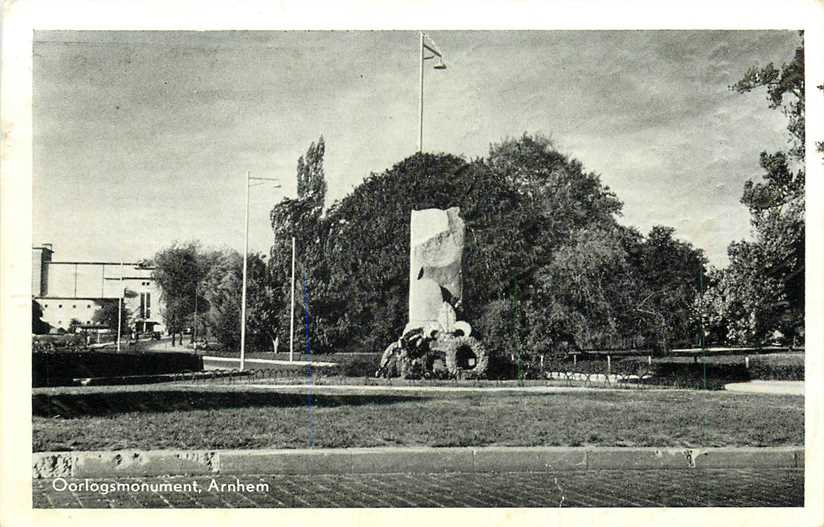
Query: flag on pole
[{"x": 430, "y": 46}]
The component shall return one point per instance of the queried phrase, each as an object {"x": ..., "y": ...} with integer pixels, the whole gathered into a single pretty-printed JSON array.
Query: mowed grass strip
[{"x": 165, "y": 417}]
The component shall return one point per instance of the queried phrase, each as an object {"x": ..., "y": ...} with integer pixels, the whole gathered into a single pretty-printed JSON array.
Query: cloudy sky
[{"x": 144, "y": 138}]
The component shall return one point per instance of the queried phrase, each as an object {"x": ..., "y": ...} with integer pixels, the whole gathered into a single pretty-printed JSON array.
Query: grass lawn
[{"x": 168, "y": 416}]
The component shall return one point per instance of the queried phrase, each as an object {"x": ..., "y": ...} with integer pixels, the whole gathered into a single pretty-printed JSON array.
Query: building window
[
  {"x": 60, "y": 306},
  {"x": 88, "y": 306},
  {"x": 74, "y": 306},
  {"x": 45, "y": 306}
]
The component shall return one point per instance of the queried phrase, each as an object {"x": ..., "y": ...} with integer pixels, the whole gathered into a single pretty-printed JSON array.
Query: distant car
[{"x": 155, "y": 335}]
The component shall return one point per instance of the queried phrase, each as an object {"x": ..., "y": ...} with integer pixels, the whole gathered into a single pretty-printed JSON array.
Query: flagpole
[
  {"x": 292, "y": 316},
  {"x": 420, "y": 97}
]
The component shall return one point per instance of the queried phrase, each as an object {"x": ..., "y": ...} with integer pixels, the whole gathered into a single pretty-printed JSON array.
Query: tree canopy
[
  {"x": 543, "y": 247},
  {"x": 761, "y": 293}
]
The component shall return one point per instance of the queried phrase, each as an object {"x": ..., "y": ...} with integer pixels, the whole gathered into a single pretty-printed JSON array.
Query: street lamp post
[
  {"x": 292, "y": 313},
  {"x": 426, "y": 44},
  {"x": 120, "y": 306},
  {"x": 249, "y": 178},
  {"x": 194, "y": 326}
]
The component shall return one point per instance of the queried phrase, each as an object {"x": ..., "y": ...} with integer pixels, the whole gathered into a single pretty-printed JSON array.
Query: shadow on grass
[{"x": 72, "y": 405}]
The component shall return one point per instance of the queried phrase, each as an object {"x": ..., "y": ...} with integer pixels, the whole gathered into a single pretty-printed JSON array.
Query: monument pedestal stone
[
  {"x": 435, "y": 253},
  {"x": 433, "y": 334}
]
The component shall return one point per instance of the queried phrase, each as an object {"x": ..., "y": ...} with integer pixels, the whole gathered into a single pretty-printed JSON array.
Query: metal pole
[
  {"x": 420, "y": 99},
  {"x": 292, "y": 316},
  {"x": 120, "y": 307},
  {"x": 243, "y": 289}
]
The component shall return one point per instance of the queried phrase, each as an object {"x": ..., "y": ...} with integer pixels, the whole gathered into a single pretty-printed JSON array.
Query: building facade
[{"x": 69, "y": 291}]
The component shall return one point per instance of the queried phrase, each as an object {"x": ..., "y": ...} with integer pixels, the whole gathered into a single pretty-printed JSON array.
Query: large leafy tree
[
  {"x": 762, "y": 289},
  {"x": 584, "y": 294},
  {"x": 545, "y": 260},
  {"x": 670, "y": 279},
  {"x": 223, "y": 289},
  {"x": 107, "y": 315},
  {"x": 38, "y": 325},
  {"x": 180, "y": 271},
  {"x": 303, "y": 220},
  {"x": 785, "y": 91}
]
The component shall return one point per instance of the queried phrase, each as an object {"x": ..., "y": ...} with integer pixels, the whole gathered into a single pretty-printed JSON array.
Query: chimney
[{"x": 41, "y": 256}]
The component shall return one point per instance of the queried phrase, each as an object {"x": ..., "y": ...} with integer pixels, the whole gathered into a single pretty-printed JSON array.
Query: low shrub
[
  {"x": 784, "y": 367},
  {"x": 699, "y": 375},
  {"x": 356, "y": 365},
  {"x": 59, "y": 369},
  {"x": 49, "y": 343}
]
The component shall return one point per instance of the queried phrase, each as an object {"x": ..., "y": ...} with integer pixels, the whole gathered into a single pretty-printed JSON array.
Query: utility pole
[
  {"x": 120, "y": 306},
  {"x": 249, "y": 178},
  {"x": 292, "y": 315}
]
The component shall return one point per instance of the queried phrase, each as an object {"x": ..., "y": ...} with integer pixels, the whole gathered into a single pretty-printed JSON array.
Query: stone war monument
[{"x": 434, "y": 343}]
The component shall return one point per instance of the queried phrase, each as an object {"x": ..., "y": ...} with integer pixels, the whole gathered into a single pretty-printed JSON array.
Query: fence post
[
  {"x": 649, "y": 360},
  {"x": 747, "y": 362},
  {"x": 609, "y": 365},
  {"x": 574, "y": 359}
]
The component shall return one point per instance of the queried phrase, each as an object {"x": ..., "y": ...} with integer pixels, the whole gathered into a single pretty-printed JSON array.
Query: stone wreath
[{"x": 466, "y": 357}]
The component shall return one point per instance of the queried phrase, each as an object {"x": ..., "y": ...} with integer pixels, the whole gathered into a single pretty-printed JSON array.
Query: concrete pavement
[
  {"x": 771, "y": 387},
  {"x": 594, "y": 488},
  {"x": 231, "y": 362}
]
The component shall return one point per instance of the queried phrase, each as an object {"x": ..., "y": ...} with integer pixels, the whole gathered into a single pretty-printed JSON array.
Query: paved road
[
  {"x": 213, "y": 363},
  {"x": 594, "y": 488},
  {"x": 771, "y": 387}
]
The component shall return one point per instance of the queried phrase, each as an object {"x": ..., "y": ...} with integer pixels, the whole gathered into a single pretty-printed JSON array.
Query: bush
[
  {"x": 501, "y": 328},
  {"x": 59, "y": 369},
  {"x": 777, "y": 367},
  {"x": 357, "y": 366},
  {"x": 62, "y": 342}
]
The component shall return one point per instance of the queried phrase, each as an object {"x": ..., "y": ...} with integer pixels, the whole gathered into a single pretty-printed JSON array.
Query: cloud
[{"x": 155, "y": 128}]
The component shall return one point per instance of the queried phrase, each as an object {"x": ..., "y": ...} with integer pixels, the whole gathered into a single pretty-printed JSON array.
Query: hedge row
[
  {"x": 778, "y": 367},
  {"x": 59, "y": 369}
]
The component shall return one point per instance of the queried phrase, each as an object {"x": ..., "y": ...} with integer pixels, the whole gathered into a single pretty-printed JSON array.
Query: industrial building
[{"x": 75, "y": 290}]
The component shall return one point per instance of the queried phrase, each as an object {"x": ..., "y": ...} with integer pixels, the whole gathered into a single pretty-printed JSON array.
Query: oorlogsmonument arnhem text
[{"x": 434, "y": 342}]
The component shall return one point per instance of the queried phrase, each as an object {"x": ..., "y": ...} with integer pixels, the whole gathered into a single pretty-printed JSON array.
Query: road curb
[{"x": 134, "y": 463}]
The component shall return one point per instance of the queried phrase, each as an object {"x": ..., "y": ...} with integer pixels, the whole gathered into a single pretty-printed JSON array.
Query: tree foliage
[
  {"x": 179, "y": 271},
  {"x": 38, "y": 325},
  {"x": 223, "y": 286},
  {"x": 543, "y": 250},
  {"x": 785, "y": 91},
  {"x": 761, "y": 292},
  {"x": 107, "y": 315}
]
